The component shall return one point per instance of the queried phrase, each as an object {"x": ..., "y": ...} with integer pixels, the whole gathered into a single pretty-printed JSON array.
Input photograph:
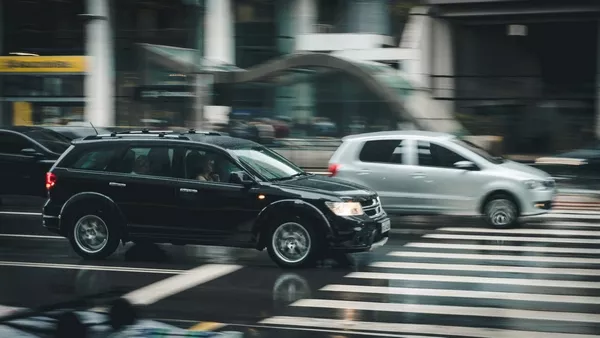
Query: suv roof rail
[
  {"x": 121, "y": 135},
  {"x": 208, "y": 132},
  {"x": 148, "y": 132}
]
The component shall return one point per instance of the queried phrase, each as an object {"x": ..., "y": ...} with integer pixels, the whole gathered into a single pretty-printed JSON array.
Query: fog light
[{"x": 539, "y": 205}]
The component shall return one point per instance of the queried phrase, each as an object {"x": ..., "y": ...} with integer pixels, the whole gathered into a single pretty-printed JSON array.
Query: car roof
[{"x": 410, "y": 134}]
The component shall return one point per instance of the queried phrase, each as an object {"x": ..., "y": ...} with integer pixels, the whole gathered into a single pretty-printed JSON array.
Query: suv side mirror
[
  {"x": 466, "y": 165},
  {"x": 241, "y": 177},
  {"x": 31, "y": 152}
]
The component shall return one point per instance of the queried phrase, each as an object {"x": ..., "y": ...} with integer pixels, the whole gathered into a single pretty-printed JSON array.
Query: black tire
[
  {"x": 302, "y": 228},
  {"x": 501, "y": 211},
  {"x": 102, "y": 218}
]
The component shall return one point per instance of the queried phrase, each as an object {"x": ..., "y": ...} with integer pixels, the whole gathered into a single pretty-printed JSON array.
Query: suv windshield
[
  {"x": 479, "y": 151},
  {"x": 268, "y": 163},
  {"x": 52, "y": 140}
]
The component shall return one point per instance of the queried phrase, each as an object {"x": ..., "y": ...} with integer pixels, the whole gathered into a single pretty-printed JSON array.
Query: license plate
[{"x": 386, "y": 226}]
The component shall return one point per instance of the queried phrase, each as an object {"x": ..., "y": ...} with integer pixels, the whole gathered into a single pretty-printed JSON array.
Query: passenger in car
[
  {"x": 206, "y": 170},
  {"x": 200, "y": 167},
  {"x": 141, "y": 165}
]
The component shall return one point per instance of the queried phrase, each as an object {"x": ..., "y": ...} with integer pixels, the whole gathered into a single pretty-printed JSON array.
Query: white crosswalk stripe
[{"x": 539, "y": 281}]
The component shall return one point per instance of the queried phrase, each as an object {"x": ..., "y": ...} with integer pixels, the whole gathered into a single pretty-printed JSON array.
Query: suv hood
[
  {"x": 329, "y": 186},
  {"x": 525, "y": 169}
]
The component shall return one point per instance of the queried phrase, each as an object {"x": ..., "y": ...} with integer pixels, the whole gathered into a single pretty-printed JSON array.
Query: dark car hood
[{"x": 328, "y": 186}]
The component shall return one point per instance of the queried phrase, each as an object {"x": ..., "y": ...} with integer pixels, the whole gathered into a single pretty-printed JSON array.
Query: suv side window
[
  {"x": 97, "y": 159},
  {"x": 434, "y": 155},
  {"x": 383, "y": 151},
  {"x": 13, "y": 143},
  {"x": 147, "y": 160},
  {"x": 208, "y": 166}
]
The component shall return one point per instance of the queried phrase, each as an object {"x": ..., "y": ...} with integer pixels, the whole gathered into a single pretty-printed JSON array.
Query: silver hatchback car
[{"x": 417, "y": 172}]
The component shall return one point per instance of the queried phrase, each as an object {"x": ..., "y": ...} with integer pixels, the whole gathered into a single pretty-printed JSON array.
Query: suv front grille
[{"x": 372, "y": 207}]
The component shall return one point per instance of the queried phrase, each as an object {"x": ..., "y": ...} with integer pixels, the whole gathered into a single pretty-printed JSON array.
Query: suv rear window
[
  {"x": 382, "y": 151},
  {"x": 97, "y": 159}
]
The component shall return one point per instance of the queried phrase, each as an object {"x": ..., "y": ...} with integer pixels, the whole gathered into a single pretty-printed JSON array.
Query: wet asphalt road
[{"x": 436, "y": 277}]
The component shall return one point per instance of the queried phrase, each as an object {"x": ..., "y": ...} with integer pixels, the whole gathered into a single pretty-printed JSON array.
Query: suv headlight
[
  {"x": 345, "y": 208},
  {"x": 533, "y": 184}
]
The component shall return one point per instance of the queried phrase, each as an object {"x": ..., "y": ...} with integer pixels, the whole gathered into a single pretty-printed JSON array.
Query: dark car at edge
[
  {"x": 207, "y": 189},
  {"x": 26, "y": 154}
]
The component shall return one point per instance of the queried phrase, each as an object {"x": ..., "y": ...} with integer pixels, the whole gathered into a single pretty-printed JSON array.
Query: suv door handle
[
  {"x": 418, "y": 175},
  {"x": 116, "y": 184},
  {"x": 188, "y": 190}
]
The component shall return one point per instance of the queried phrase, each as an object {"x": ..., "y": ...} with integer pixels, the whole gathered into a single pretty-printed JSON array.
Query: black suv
[{"x": 204, "y": 188}]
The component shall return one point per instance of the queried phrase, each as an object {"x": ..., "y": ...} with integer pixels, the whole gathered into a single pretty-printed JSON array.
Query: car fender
[
  {"x": 264, "y": 217},
  {"x": 94, "y": 198},
  {"x": 511, "y": 187}
]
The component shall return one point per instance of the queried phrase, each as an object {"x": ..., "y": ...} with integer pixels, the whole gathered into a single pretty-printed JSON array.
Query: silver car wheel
[
  {"x": 291, "y": 242},
  {"x": 501, "y": 212},
  {"x": 90, "y": 234}
]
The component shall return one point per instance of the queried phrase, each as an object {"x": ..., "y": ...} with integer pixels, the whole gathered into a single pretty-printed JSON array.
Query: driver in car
[{"x": 205, "y": 167}]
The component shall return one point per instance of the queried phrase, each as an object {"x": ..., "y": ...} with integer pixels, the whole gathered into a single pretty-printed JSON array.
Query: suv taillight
[
  {"x": 50, "y": 180},
  {"x": 333, "y": 169}
]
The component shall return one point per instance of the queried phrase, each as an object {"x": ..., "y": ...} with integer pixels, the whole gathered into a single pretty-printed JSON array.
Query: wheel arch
[
  {"x": 284, "y": 208},
  {"x": 497, "y": 192},
  {"x": 87, "y": 199}
]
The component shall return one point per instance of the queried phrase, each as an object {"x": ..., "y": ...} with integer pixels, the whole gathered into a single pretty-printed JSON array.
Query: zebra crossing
[{"x": 541, "y": 280}]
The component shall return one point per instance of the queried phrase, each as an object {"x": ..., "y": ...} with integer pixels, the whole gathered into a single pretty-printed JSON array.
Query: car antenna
[{"x": 91, "y": 124}]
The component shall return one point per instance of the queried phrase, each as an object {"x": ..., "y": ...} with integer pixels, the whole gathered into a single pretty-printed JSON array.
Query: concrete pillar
[
  {"x": 368, "y": 16},
  {"x": 442, "y": 63},
  {"x": 219, "y": 47},
  {"x": 219, "y": 36},
  {"x": 100, "y": 76},
  {"x": 305, "y": 17},
  {"x": 295, "y": 17}
]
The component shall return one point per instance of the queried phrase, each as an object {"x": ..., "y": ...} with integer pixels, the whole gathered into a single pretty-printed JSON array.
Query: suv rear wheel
[
  {"x": 293, "y": 243},
  {"x": 500, "y": 211},
  {"x": 93, "y": 235}
]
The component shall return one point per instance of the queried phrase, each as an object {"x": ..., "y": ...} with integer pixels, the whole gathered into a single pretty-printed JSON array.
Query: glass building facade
[
  {"x": 38, "y": 97},
  {"x": 158, "y": 46}
]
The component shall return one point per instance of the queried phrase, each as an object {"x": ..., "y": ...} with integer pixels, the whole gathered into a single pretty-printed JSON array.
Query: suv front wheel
[
  {"x": 93, "y": 235},
  {"x": 293, "y": 243}
]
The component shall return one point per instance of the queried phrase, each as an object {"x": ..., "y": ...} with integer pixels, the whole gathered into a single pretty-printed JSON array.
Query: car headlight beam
[{"x": 345, "y": 208}]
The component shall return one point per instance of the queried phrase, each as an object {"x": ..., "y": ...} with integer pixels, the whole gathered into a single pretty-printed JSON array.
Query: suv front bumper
[{"x": 362, "y": 235}]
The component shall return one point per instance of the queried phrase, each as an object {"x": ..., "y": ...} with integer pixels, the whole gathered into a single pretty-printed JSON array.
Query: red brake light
[
  {"x": 333, "y": 169},
  {"x": 50, "y": 180}
]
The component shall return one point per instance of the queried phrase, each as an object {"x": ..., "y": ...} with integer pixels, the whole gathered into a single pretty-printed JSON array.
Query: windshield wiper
[{"x": 291, "y": 176}]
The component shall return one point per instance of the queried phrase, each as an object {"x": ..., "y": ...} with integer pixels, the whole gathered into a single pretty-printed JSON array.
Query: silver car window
[
  {"x": 434, "y": 155},
  {"x": 384, "y": 151}
]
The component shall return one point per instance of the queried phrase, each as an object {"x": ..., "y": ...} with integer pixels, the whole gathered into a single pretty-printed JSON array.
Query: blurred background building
[{"x": 523, "y": 70}]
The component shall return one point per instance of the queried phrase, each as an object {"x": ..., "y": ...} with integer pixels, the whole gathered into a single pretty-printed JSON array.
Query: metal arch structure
[
  {"x": 290, "y": 62},
  {"x": 413, "y": 105}
]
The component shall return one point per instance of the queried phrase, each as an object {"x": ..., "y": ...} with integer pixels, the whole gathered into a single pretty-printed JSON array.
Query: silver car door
[
  {"x": 383, "y": 167},
  {"x": 443, "y": 187}
]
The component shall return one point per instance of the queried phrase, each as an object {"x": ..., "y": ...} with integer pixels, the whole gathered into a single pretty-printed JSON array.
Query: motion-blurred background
[{"x": 517, "y": 77}]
